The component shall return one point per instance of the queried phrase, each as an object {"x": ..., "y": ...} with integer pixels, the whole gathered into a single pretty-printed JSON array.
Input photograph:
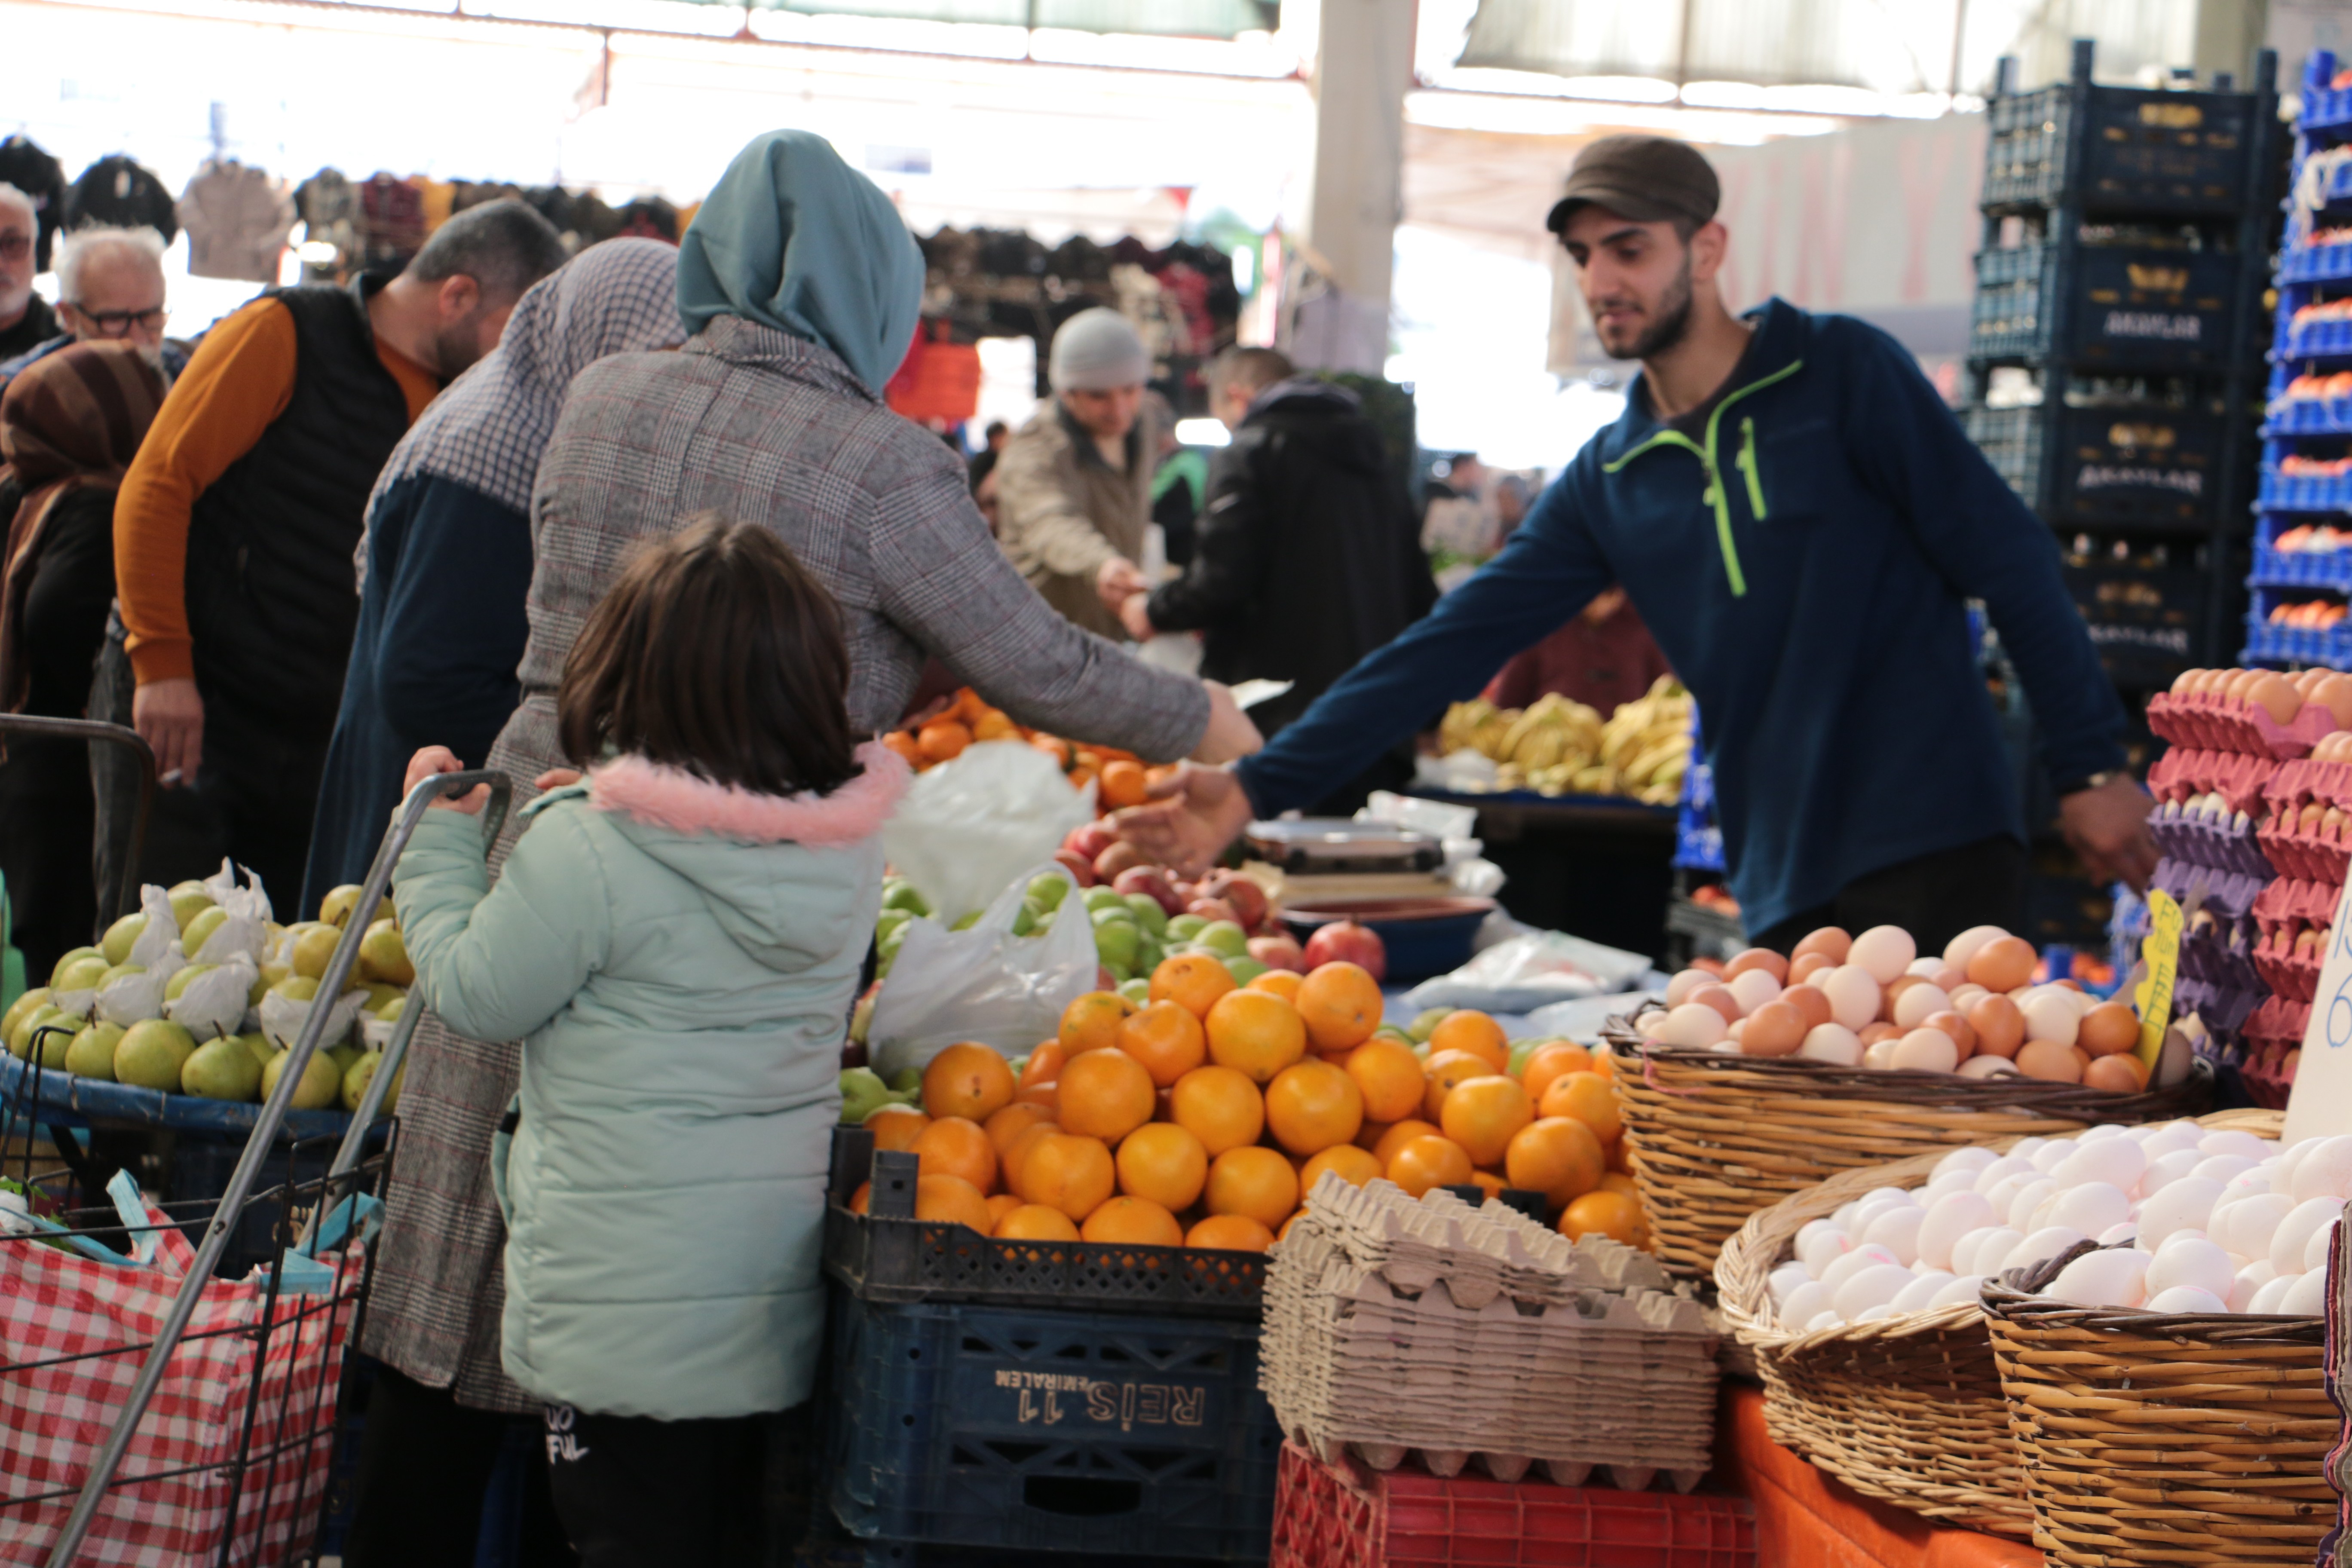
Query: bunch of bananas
[
  {"x": 1557, "y": 746},
  {"x": 1648, "y": 741}
]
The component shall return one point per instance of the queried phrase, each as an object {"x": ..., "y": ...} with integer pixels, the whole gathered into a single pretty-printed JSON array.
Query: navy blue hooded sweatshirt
[{"x": 1803, "y": 565}]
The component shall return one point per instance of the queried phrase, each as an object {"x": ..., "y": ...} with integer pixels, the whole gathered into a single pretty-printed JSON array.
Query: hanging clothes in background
[
  {"x": 330, "y": 206},
  {"x": 392, "y": 223},
  {"x": 440, "y": 199},
  {"x": 26, "y": 165},
  {"x": 121, "y": 193},
  {"x": 238, "y": 220}
]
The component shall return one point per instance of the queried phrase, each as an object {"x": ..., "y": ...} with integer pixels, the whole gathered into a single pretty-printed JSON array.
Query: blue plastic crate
[
  {"x": 2304, "y": 493},
  {"x": 2312, "y": 416},
  {"x": 2326, "y": 109},
  {"x": 2313, "y": 340},
  {"x": 2267, "y": 644},
  {"x": 990, "y": 1427},
  {"x": 2315, "y": 264},
  {"x": 2302, "y": 568}
]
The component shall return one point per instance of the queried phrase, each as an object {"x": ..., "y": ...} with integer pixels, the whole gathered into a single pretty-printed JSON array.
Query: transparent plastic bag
[
  {"x": 1527, "y": 972},
  {"x": 982, "y": 983},
  {"x": 965, "y": 826}
]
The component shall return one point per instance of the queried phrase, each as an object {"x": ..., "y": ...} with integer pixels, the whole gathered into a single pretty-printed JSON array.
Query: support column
[
  {"x": 2228, "y": 34},
  {"x": 1338, "y": 288}
]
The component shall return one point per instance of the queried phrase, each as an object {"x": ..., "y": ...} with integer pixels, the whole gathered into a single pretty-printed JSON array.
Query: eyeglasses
[
  {"x": 123, "y": 323},
  {"x": 15, "y": 246}
]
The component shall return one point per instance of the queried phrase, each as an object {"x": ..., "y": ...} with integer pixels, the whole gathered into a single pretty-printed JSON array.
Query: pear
[
  {"x": 178, "y": 984},
  {"x": 55, "y": 1037},
  {"x": 336, "y": 908},
  {"x": 18, "y": 1009},
  {"x": 390, "y": 1011},
  {"x": 80, "y": 974},
  {"x": 384, "y": 956},
  {"x": 313, "y": 948},
  {"x": 67, "y": 962},
  {"x": 378, "y": 994},
  {"x": 271, "y": 973},
  {"x": 198, "y": 931},
  {"x": 344, "y": 1055},
  {"x": 356, "y": 1078},
  {"x": 863, "y": 1093},
  {"x": 319, "y": 1085},
  {"x": 259, "y": 1046},
  {"x": 297, "y": 987},
  {"x": 151, "y": 1055},
  {"x": 91, "y": 1055},
  {"x": 117, "y": 942},
  {"x": 222, "y": 1070},
  {"x": 117, "y": 972},
  {"x": 20, "y": 1038},
  {"x": 189, "y": 899}
]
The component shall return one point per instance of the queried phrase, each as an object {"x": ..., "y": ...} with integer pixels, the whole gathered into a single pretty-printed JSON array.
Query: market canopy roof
[{"x": 1178, "y": 18}]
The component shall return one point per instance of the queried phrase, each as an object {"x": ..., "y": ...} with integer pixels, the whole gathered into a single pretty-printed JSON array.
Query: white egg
[
  {"x": 2325, "y": 1172},
  {"x": 1853, "y": 995},
  {"x": 1966, "y": 997},
  {"x": 2250, "y": 1278},
  {"x": 1948, "y": 1218},
  {"x": 2188, "y": 1260},
  {"x": 2246, "y": 1227},
  {"x": 1963, "y": 947},
  {"x": 1753, "y": 994},
  {"x": 2007, "y": 1166},
  {"x": 2030, "y": 1197},
  {"x": 1848, "y": 1215},
  {"x": 1872, "y": 1205},
  {"x": 1897, "y": 1230},
  {"x": 1693, "y": 1024},
  {"x": 2294, "y": 1233},
  {"x": 2051, "y": 1018},
  {"x": 2004, "y": 1192},
  {"x": 1832, "y": 1043},
  {"x": 2314, "y": 1251},
  {"x": 1883, "y": 952},
  {"x": 2232, "y": 1142},
  {"x": 1961, "y": 1289},
  {"x": 2090, "y": 1207},
  {"x": 2248, "y": 1183},
  {"x": 1804, "y": 1301},
  {"x": 1679, "y": 989},
  {"x": 1918, "y": 1002},
  {"x": 2187, "y": 1298},
  {"x": 2054, "y": 1154},
  {"x": 1785, "y": 1279},
  {"x": 2183, "y": 1205},
  {"x": 1822, "y": 1247},
  {"x": 2222, "y": 1167},
  {"x": 2290, "y": 1158},
  {"x": 1648, "y": 1025},
  {"x": 1924, "y": 1283},
  {"x": 1972, "y": 1160},
  {"x": 1925, "y": 1050},
  {"x": 2103, "y": 1130},
  {"x": 1891, "y": 1194},
  {"x": 1879, "y": 1055},
  {"x": 2118, "y": 1233},
  {"x": 2117, "y": 1162},
  {"x": 2265, "y": 1301},
  {"x": 1874, "y": 1286},
  {"x": 1949, "y": 1183},
  {"x": 2308, "y": 1298},
  {"x": 1842, "y": 1270},
  {"x": 2026, "y": 1148},
  {"x": 2114, "y": 1277},
  {"x": 1988, "y": 1066},
  {"x": 2046, "y": 1243},
  {"x": 2172, "y": 1138},
  {"x": 1991, "y": 1246},
  {"x": 1730, "y": 1045},
  {"x": 1813, "y": 1228},
  {"x": 2167, "y": 1168},
  {"x": 1871, "y": 1314},
  {"x": 1824, "y": 1321}
]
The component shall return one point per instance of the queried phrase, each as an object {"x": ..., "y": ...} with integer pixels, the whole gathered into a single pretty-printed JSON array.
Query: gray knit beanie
[{"x": 1097, "y": 351}]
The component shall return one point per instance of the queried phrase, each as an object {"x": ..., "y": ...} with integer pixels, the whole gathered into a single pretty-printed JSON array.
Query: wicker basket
[
  {"x": 2170, "y": 1438},
  {"x": 1908, "y": 1409},
  {"x": 1714, "y": 1138}
]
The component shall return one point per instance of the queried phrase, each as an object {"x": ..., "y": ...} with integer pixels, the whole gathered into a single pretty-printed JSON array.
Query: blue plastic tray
[{"x": 57, "y": 1093}]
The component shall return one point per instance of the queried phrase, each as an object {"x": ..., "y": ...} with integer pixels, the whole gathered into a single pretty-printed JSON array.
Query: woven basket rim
[{"x": 2040, "y": 1313}]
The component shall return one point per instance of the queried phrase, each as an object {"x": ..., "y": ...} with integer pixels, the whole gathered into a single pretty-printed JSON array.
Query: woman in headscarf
[
  {"x": 800, "y": 288},
  {"x": 446, "y": 560},
  {"x": 69, "y": 426}
]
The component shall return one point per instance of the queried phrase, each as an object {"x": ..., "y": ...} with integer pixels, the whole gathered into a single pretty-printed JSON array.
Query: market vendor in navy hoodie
[{"x": 1800, "y": 520}]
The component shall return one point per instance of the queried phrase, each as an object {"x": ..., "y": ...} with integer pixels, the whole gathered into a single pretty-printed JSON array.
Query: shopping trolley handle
[{"x": 451, "y": 786}]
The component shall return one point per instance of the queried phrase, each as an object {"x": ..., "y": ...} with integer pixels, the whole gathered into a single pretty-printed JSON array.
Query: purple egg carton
[
  {"x": 2223, "y": 1009},
  {"x": 2230, "y": 895},
  {"x": 2219, "y": 844},
  {"x": 2224, "y": 957}
]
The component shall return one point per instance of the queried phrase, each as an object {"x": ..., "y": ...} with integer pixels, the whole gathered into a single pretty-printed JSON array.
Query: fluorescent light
[
  {"x": 1521, "y": 116},
  {"x": 1203, "y": 433},
  {"x": 1543, "y": 84}
]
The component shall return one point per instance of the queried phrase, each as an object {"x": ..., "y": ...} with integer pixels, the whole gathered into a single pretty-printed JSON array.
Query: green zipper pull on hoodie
[{"x": 1747, "y": 461}]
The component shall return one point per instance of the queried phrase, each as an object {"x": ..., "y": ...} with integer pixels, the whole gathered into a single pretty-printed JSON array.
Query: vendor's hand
[
  {"x": 2108, "y": 829},
  {"x": 1193, "y": 815},
  {"x": 437, "y": 759},
  {"x": 556, "y": 778},
  {"x": 170, "y": 716},
  {"x": 1118, "y": 580},
  {"x": 1230, "y": 733},
  {"x": 1135, "y": 615}
]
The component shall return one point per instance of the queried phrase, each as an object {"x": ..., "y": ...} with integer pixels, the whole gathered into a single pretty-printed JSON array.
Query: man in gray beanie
[{"x": 1074, "y": 487}]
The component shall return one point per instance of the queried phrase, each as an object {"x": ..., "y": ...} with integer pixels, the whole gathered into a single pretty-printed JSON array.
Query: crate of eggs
[{"x": 2257, "y": 711}]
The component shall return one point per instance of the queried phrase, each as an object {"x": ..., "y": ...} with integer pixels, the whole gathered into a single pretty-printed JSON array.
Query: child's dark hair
[{"x": 714, "y": 651}]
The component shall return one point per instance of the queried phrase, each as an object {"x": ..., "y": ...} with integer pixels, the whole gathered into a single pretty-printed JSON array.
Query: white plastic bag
[
  {"x": 1527, "y": 972},
  {"x": 282, "y": 1017},
  {"x": 966, "y": 825},
  {"x": 161, "y": 931},
  {"x": 982, "y": 983},
  {"x": 131, "y": 999},
  {"x": 245, "y": 929},
  {"x": 214, "y": 1003}
]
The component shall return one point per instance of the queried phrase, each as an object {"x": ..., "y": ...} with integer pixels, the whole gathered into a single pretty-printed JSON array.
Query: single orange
[
  {"x": 1106, "y": 1095},
  {"x": 967, "y": 1080},
  {"x": 1341, "y": 1004},
  {"x": 1586, "y": 1096},
  {"x": 1444, "y": 1072},
  {"x": 1123, "y": 784},
  {"x": 1081, "y": 777},
  {"x": 861, "y": 1201},
  {"x": 952, "y": 1200},
  {"x": 1425, "y": 1162},
  {"x": 1230, "y": 1233},
  {"x": 1256, "y": 1182},
  {"x": 1218, "y": 1105},
  {"x": 1604, "y": 1062},
  {"x": 1621, "y": 1156},
  {"x": 1167, "y": 1039},
  {"x": 1054, "y": 747},
  {"x": 1484, "y": 1114},
  {"x": 1162, "y": 1161},
  {"x": 1398, "y": 1136},
  {"x": 1389, "y": 1076},
  {"x": 1009, "y": 1163},
  {"x": 1604, "y": 1213},
  {"x": 1036, "y": 1222},
  {"x": 1010, "y": 1122},
  {"x": 1067, "y": 1173},
  {"x": 1047, "y": 1095},
  {"x": 1350, "y": 1164},
  {"x": 1255, "y": 1033},
  {"x": 1131, "y": 1221},
  {"x": 904, "y": 744},
  {"x": 1557, "y": 1156},
  {"x": 896, "y": 1126},
  {"x": 1490, "y": 1182},
  {"x": 1619, "y": 1182},
  {"x": 1192, "y": 979},
  {"x": 967, "y": 707},
  {"x": 952, "y": 1146},
  {"x": 1282, "y": 983},
  {"x": 1545, "y": 1063},
  {"x": 994, "y": 725},
  {"x": 1467, "y": 1029},
  {"x": 1091, "y": 1023},
  {"x": 999, "y": 1206},
  {"x": 1313, "y": 1106},
  {"x": 942, "y": 739},
  {"x": 1044, "y": 1065}
]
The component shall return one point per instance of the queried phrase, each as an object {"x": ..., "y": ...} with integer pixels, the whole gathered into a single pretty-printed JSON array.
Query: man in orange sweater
[{"x": 234, "y": 529}]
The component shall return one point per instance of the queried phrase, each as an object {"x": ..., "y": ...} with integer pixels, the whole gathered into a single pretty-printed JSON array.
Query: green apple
[
  {"x": 1148, "y": 913},
  {"x": 151, "y": 1055},
  {"x": 889, "y": 921},
  {"x": 897, "y": 893},
  {"x": 222, "y": 1070},
  {"x": 1184, "y": 928},
  {"x": 966, "y": 922},
  {"x": 121, "y": 936},
  {"x": 1244, "y": 969},
  {"x": 321, "y": 1083},
  {"x": 177, "y": 986},
  {"x": 863, "y": 1093},
  {"x": 189, "y": 899},
  {"x": 1224, "y": 938},
  {"x": 1424, "y": 1024},
  {"x": 1099, "y": 898},
  {"x": 357, "y": 1077},
  {"x": 1049, "y": 889},
  {"x": 17, "y": 1010},
  {"x": 384, "y": 956},
  {"x": 907, "y": 1080},
  {"x": 1116, "y": 942},
  {"x": 91, "y": 1055},
  {"x": 1024, "y": 918},
  {"x": 1136, "y": 991},
  {"x": 82, "y": 974}
]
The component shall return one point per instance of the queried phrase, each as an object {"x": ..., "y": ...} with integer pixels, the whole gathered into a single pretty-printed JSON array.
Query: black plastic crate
[
  {"x": 888, "y": 1255},
  {"x": 2148, "y": 152},
  {"x": 2145, "y": 621},
  {"x": 1083, "y": 1432},
  {"x": 2139, "y": 466},
  {"x": 2125, "y": 307}
]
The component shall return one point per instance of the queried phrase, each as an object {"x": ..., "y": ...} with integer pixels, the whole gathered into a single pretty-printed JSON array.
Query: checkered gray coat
[{"x": 749, "y": 422}]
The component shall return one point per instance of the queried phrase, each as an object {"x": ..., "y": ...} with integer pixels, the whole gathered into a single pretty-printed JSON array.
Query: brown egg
[
  {"x": 1831, "y": 941},
  {"x": 2307, "y": 819},
  {"x": 2306, "y": 944},
  {"x": 1963, "y": 1035},
  {"x": 1873, "y": 1033},
  {"x": 2108, "y": 1028},
  {"x": 2306, "y": 681},
  {"x": 2334, "y": 693},
  {"x": 2331, "y": 820},
  {"x": 2002, "y": 964},
  {"x": 1762, "y": 958},
  {"x": 2186, "y": 682},
  {"x": 2242, "y": 683},
  {"x": 1720, "y": 998},
  {"x": 2000, "y": 1026},
  {"x": 1895, "y": 988},
  {"x": 2049, "y": 1060},
  {"x": 2277, "y": 695},
  {"x": 1805, "y": 966},
  {"x": 2069, "y": 984},
  {"x": 1949, "y": 978},
  {"x": 2116, "y": 1075},
  {"x": 1809, "y": 1000},
  {"x": 1775, "y": 1029}
]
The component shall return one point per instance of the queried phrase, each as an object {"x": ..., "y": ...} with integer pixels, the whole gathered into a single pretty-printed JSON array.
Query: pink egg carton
[
  {"x": 2297, "y": 900},
  {"x": 2292, "y": 976},
  {"x": 2239, "y": 777},
  {"x": 2277, "y": 1022},
  {"x": 2314, "y": 854},
  {"x": 2330, "y": 783},
  {"x": 2216, "y": 723}
]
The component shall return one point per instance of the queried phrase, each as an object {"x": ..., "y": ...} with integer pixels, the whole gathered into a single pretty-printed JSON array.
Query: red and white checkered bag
[{"x": 74, "y": 1333}]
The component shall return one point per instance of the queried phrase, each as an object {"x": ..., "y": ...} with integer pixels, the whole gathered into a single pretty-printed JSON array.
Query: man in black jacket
[{"x": 1307, "y": 555}]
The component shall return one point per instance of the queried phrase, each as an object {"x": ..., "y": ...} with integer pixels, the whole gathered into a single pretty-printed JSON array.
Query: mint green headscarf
[{"x": 796, "y": 239}]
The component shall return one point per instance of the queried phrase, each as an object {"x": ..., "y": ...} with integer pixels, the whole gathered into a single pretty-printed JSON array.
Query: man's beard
[
  {"x": 1672, "y": 324},
  {"x": 456, "y": 348}
]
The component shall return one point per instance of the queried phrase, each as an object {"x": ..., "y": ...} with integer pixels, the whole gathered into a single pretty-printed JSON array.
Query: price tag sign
[
  {"x": 2320, "y": 1105},
  {"x": 2161, "y": 952}
]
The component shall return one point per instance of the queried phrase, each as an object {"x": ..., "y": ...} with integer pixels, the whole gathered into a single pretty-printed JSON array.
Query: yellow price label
[{"x": 2161, "y": 952}]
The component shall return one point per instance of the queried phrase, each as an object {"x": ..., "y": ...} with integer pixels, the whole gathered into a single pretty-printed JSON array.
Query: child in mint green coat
[{"x": 676, "y": 940}]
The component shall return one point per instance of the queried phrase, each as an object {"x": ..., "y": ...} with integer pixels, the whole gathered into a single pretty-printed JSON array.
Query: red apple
[
  {"x": 1105, "y": 980},
  {"x": 1090, "y": 840},
  {"x": 1120, "y": 857},
  {"x": 1346, "y": 942},
  {"x": 1248, "y": 899},
  {"x": 1212, "y": 910},
  {"x": 1149, "y": 880},
  {"x": 1279, "y": 952},
  {"x": 1081, "y": 869}
]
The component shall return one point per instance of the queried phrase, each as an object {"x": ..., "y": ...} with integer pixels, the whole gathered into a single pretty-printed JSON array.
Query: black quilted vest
[{"x": 271, "y": 593}]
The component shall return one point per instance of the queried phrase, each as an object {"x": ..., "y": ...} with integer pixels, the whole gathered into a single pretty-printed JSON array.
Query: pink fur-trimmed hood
[{"x": 672, "y": 797}]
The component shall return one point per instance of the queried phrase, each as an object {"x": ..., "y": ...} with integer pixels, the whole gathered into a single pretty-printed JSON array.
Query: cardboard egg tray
[
  {"x": 2239, "y": 777},
  {"x": 2296, "y": 899},
  {"x": 2195, "y": 840},
  {"x": 2314, "y": 854},
  {"x": 2217, "y": 724},
  {"x": 2229, "y": 895},
  {"x": 2275, "y": 1031},
  {"x": 1394, "y": 1327},
  {"x": 2330, "y": 783}
]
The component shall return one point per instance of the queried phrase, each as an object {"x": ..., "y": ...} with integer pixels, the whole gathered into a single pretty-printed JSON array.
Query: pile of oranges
[
  {"x": 1201, "y": 1116},
  {"x": 943, "y": 737}
]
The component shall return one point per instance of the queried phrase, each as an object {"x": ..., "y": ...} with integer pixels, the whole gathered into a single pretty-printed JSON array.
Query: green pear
[
  {"x": 297, "y": 987},
  {"x": 378, "y": 994},
  {"x": 17, "y": 1010},
  {"x": 321, "y": 1081},
  {"x": 117, "y": 942},
  {"x": 151, "y": 1055},
  {"x": 344, "y": 1055},
  {"x": 384, "y": 956},
  {"x": 335, "y": 908},
  {"x": 1136, "y": 991},
  {"x": 82, "y": 974},
  {"x": 222, "y": 1070},
  {"x": 177, "y": 985},
  {"x": 91, "y": 1055},
  {"x": 271, "y": 973},
  {"x": 1424, "y": 1023},
  {"x": 59, "y": 969},
  {"x": 189, "y": 899},
  {"x": 55, "y": 1037},
  {"x": 258, "y": 1045},
  {"x": 198, "y": 931},
  {"x": 357, "y": 1077},
  {"x": 20, "y": 1038},
  {"x": 863, "y": 1093},
  {"x": 117, "y": 972},
  {"x": 313, "y": 945},
  {"x": 390, "y": 1011},
  {"x": 906, "y": 1080}
]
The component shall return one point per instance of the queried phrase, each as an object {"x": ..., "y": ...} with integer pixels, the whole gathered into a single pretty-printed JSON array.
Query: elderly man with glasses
[
  {"x": 26, "y": 319},
  {"x": 109, "y": 288}
]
